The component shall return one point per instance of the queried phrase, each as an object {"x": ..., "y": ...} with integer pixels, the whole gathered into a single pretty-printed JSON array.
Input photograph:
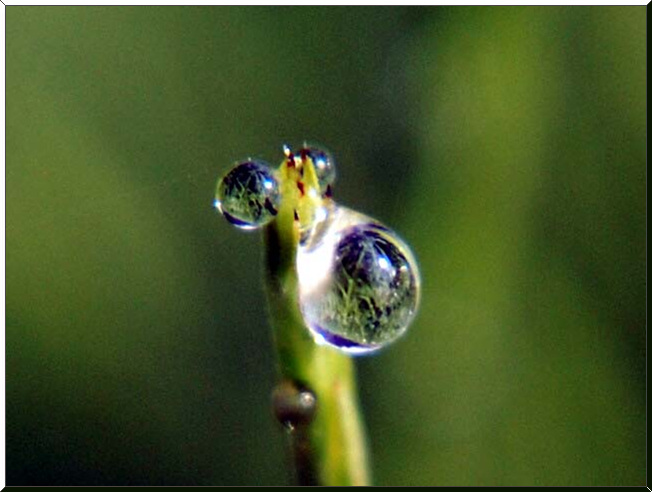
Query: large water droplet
[
  {"x": 248, "y": 196},
  {"x": 359, "y": 284}
]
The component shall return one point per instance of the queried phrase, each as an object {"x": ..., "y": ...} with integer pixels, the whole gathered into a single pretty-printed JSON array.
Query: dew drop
[
  {"x": 359, "y": 284},
  {"x": 248, "y": 195},
  {"x": 293, "y": 406},
  {"x": 324, "y": 165}
]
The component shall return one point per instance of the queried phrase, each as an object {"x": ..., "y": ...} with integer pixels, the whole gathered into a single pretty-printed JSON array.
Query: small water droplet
[
  {"x": 359, "y": 284},
  {"x": 324, "y": 165},
  {"x": 248, "y": 195},
  {"x": 293, "y": 406}
]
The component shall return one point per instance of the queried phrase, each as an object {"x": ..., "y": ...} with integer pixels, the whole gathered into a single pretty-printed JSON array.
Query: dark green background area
[{"x": 506, "y": 145}]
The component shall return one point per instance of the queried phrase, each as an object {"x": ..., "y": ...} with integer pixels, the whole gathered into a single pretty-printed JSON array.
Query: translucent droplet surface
[
  {"x": 248, "y": 196},
  {"x": 359, "y": 284},
  {"x": 324, "y": 165}
]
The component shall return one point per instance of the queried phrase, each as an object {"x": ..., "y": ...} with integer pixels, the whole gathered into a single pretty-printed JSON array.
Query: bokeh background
[{"x": 506, "y": 145}]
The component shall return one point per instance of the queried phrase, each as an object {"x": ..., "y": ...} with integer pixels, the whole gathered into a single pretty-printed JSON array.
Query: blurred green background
[{"x": 506, "y": 145}]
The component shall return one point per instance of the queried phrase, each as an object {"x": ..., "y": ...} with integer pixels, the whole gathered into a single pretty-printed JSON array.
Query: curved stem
[{"x": 329, "y": 449}]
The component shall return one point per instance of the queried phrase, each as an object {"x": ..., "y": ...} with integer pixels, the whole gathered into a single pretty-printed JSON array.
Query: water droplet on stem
[
  {"x": 248, "y": 195},
  {"x": 359, "y": 283},
  {"x": 293, "y": 406}
]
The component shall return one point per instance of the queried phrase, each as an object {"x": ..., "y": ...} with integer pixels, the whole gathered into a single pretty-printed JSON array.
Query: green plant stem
[{"x": 331, "y": 449}]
